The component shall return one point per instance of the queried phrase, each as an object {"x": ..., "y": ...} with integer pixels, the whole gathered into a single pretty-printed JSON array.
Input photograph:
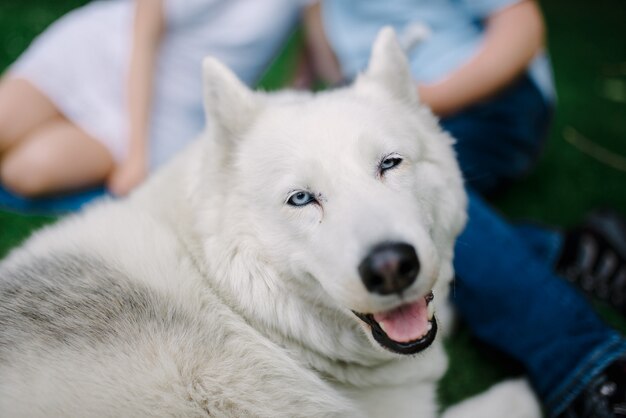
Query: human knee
[
  {"x": 5, "y": 137},
  {"x": 22, "y": 174}
]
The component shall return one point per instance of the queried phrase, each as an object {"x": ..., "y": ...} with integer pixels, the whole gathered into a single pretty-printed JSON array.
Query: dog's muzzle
[{"x": 391, "y": 268}]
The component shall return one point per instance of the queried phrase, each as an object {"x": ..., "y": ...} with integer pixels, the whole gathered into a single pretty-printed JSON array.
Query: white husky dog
[{"x": 288, "y": 264}]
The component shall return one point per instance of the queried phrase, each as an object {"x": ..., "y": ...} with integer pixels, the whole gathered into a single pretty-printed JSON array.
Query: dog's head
[{"x": 350, "y": 199}]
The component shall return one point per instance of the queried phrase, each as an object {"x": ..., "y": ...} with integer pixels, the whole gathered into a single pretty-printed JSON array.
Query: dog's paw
[{"x": 511, "y": 399}]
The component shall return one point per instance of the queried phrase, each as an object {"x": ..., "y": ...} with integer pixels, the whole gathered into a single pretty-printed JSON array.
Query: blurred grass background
[{"x": 587, "y": 43}]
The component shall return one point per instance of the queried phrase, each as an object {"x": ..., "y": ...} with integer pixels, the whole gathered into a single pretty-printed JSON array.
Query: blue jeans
[{"x": 506, "y": 289}]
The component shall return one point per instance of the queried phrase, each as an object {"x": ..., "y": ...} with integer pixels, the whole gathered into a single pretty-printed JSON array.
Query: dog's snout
[{"x": 389, "y": 268}]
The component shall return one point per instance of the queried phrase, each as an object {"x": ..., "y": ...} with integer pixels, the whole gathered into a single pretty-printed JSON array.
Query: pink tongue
[{"x": 406, "y": 323}]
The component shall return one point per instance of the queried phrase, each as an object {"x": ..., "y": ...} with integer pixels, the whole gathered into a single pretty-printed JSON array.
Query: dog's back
[
  {"x": 90, "y": 329},
  {"x": 78, "y": 339}
]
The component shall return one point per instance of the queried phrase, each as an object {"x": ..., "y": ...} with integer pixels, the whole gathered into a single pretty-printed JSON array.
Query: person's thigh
[
  {"x": 499, "y": 140},
  {"x": 23, "y": 109},
  {"x": 57, "y": 157},
  {"x": 511, "y": 299}
]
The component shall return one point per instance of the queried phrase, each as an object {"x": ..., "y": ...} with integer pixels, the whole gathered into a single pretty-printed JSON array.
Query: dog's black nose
[{"x": 389, "y": 268}]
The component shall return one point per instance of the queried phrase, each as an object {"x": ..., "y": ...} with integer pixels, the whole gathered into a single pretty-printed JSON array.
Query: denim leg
[
  {"x": 499, "y": 140},
  {"x": 545, "y": 242},
  {"x": 511, "y": 299},
  {"x": 505, "y": 288}
]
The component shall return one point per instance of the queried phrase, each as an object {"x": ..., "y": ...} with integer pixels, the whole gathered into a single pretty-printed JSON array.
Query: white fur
[{"x": 269, "y": 287}]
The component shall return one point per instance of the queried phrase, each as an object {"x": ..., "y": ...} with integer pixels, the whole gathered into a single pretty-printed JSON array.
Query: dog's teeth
[
  {"x": 382, "y": 326},
  {"x": 431, "y": 311},
  {"x": 430, "y": 326}
]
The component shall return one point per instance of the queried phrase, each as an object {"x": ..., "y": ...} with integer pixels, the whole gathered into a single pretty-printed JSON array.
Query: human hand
[{"x": 127, "y": 175}]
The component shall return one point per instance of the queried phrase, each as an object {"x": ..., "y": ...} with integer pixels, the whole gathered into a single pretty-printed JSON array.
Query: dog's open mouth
[{"x": 407, "y": 329}]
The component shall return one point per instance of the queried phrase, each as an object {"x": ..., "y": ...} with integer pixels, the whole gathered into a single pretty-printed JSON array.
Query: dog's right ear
[
  {"x": 388, "y": 68},
  {"x": 230, "y": 106}
]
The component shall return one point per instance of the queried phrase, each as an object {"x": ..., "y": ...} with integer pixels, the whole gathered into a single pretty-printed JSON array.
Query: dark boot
[
  {"x": 594, "y": 257},
  {"x": 604, "y": 397}
]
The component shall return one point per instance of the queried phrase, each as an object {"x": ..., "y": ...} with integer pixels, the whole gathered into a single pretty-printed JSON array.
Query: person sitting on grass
[
  {"x": 481, "y": 68},
  {"x": 113, "y": 89}
]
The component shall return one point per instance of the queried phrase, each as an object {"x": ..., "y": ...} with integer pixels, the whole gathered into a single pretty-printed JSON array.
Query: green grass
[
  {"x": 587, "y": 42},
  {"x": 587, "y": 45}
]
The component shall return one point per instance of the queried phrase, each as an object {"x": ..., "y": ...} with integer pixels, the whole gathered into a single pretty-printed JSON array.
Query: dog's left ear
[
  {"x": 229, "y": 104},
  {"x": 389, "y": 68}
]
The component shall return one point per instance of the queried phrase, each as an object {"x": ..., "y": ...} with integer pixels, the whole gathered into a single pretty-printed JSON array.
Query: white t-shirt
[{"x": 81, "y": 63}]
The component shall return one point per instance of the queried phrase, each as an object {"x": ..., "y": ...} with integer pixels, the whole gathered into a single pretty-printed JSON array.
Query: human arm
[
  {"x": 513, "y": 36},
  {"x": 323, "y": 61},
  {"x": 148, "y": 27}
]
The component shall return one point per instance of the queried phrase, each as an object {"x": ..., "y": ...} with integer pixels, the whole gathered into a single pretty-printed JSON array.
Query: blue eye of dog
[
  {"x": 300, "y": 198},
  {"x": 389, "y": 163}
]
